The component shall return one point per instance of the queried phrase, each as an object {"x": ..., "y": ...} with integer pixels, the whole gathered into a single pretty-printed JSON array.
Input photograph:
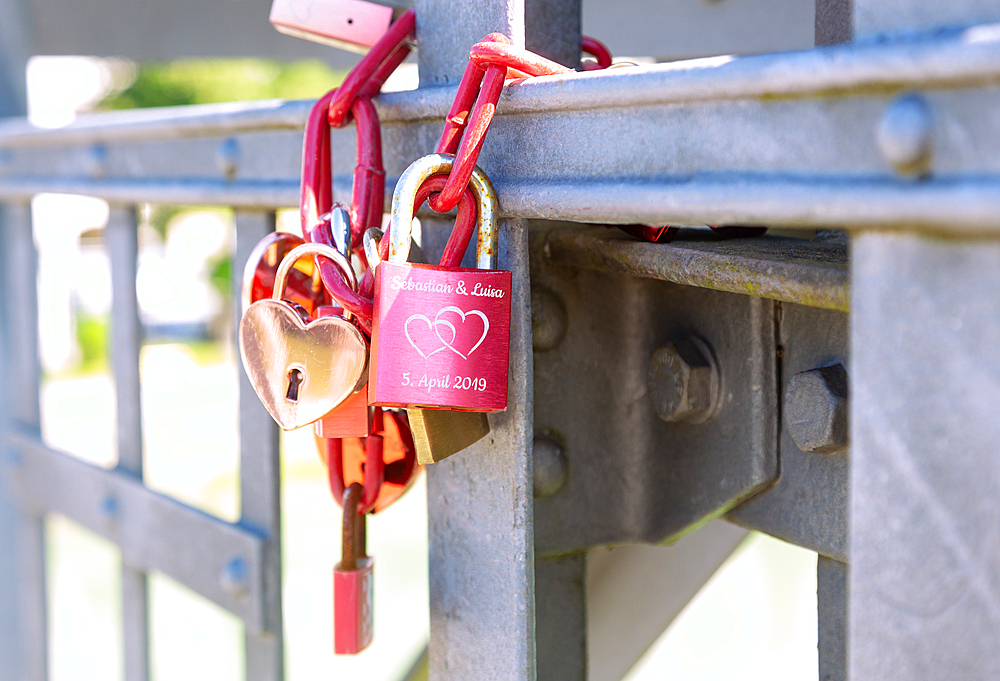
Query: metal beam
[
  {"x": 634, "y": 592},
  {"x": 808, "y": 505},
  {"x": 153, "y": 531},
  {"x": 812, "y": 273}
]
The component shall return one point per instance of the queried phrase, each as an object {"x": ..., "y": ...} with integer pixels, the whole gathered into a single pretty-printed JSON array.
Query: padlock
[
  {"x": 304, "y": 286},
  {"x": 353, "y": 25},
  {"x": 441, "y": 334},
  {"x": 349, "y": 418},
  {"x": 301, "y": 368},
  {"x": 348, "y": 458},
  {"x": 352, "y": 582}
]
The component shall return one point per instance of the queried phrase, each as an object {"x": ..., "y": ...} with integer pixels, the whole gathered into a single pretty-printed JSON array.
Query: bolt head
[
  {"x": 816, "y": 409},
  {"x": 683, "y": 381},
  {"x": 550, "y": 466}
]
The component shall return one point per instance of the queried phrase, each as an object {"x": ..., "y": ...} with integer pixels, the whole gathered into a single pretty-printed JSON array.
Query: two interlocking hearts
[{"x": 430, "y": 336}]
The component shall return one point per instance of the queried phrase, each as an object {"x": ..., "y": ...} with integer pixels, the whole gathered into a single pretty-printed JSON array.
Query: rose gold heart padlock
[{"x": 300, "y": 367}]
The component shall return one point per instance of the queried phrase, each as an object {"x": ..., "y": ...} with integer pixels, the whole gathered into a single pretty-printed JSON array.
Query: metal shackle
[
  {"x": 340, "y": 227},
  {"x": 404, "y": 197},
  {"x": 288, "y": 262}
]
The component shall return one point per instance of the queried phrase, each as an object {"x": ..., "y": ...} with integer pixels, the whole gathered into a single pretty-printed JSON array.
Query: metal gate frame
[{"x": 889, "y": 136}]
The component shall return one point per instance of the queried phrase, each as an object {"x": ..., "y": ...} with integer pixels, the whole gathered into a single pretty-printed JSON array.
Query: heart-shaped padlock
[{"x": 302, "y": 368}]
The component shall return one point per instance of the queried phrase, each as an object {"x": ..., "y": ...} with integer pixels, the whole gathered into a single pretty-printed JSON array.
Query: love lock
[{"x": 302, "y": 368}]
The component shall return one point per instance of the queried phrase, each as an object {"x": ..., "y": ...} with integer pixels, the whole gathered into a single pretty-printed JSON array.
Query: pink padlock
[
  {"x": 441, "y": 335},
  {"x": 353, "y": 25},
  {"x": 352, "y": 582}
]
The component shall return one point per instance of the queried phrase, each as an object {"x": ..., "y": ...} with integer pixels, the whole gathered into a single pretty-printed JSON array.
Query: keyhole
[
  {"x": 294, "y": 380},
  {"x": 350, "y": 21}
]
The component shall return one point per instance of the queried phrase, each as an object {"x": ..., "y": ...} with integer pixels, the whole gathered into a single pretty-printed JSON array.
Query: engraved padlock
[
  {"x": 352, "y": 582},
  {"x": 300, "y": 367},
  {"x": 441, "y": 334}
]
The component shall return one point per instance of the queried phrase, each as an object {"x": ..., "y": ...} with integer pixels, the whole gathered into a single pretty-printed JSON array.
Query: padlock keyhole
[{"x": 294, "y": 381}]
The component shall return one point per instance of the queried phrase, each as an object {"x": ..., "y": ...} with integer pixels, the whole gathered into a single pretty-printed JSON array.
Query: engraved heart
[
  {"x": 300, "y": 370},
  {"x": 462, "y": 334},
  {"x": 424, "y": 339}
]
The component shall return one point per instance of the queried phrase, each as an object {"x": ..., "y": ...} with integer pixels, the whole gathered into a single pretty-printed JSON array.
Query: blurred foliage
[
  {"x": 92, "y": 338},
  {"x": 204, "y": 81}
]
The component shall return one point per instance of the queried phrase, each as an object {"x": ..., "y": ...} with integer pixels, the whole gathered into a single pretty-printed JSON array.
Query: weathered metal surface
[
  {"x": 655, "y": 480},
  {"x": 808, "y": 505},
  {"x": 634, "y": 593},
  {"x": 925, "y": 382},
  {"x": 811, "y": 273},
  {"x": 831, "y": 601},
  {"x": 561, "y": 614},
  {"x": 260, "y": 481},
  {"x": 153, "y": 531}
]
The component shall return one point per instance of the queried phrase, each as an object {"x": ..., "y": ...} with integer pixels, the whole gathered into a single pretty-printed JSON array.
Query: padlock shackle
[
  {"x": 349, "y": 537},
  {"x": 306, "y": 249},
  {"x": 339, "y": 219},
  {"x": 404, "y": 197}
]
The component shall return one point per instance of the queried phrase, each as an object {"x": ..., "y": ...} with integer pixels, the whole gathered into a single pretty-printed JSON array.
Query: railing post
[
  {"x": 122, "y": 240},
  {"x": 260, "y": 481},
  {"x": 23, "y": 535}
]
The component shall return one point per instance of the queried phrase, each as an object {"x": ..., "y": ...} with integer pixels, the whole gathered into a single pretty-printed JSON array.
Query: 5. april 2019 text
[{"x": 447, "y": 382}]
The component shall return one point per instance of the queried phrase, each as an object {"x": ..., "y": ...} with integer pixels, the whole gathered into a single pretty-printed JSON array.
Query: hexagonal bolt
[
  {"x": 816, "y": 409},
  {"x": 550, "y": 466},
  {"x": 683, "y": 381}
]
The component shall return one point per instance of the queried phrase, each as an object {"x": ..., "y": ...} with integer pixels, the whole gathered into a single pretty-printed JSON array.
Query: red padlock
[
  {"x": 352, "y": 582},
  {"x": 441, "y": 335}
]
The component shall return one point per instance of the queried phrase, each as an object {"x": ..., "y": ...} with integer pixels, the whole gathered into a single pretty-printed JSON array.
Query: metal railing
[{"x": 885, "y": 137}]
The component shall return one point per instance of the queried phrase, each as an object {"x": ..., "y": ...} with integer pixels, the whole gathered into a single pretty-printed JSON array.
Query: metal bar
[
  {"x": 247, "y": 194},
  {"x": 153, "y": 531},
  {"x": 634, "y": 592},
  {"x": 260, "y": 482},
  {"x": 122, "y": 239},
  {"x": 162, "y": 123},
  {"x": 831, "y": 600},
  {"x": 965, "y": 58},
  {"x": 812, "y": 273},
  {"x": 961, "y": 208},
  {"x": 22, "y": 380},
  {"x": 925, "y": 381}
]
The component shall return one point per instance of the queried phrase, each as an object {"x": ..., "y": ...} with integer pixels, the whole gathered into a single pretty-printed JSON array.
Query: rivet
[
  {"x": 905, "y": 134},
  {"x": 96, "y": 161},
  {"x": 227, "y": 157},
  {"x": 550, "y": 466},
  {"x": 235, "y": 578},
  {"x": 548, "y": 319}
]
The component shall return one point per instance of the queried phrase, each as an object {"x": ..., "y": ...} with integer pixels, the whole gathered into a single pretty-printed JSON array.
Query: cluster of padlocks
[
  {"x": 398, "y": 366},
  {"x": 395, "y": 364}
]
